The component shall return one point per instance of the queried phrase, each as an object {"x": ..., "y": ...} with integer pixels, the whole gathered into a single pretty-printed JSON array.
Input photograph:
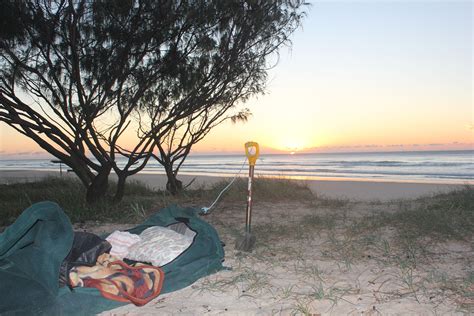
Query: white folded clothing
[
  {"x": 159, "y": 245},
  {"x": 121, "y": 243}
]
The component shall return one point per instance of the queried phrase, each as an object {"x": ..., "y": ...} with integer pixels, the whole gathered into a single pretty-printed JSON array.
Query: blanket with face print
[{"x": 116, "y": 280}]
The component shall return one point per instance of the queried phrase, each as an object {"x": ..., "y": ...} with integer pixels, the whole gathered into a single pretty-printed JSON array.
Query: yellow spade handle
[{"x": 251, "y": 157}]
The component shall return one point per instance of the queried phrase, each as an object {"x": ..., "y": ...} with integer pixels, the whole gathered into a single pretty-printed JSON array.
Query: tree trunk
[
  {"x": 99, "y": 185},
  {"x": 81, "y": 170},
  {"x": 120, "y": 189},
  {"x": 174, "y": 186}
]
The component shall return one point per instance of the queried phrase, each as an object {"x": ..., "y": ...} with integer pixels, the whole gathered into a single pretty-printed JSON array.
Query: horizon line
[{"x": 290, "y": 153}]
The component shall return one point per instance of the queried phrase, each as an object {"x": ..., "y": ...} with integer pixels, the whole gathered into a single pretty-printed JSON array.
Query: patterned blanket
[{"x": 119, "y": 281}]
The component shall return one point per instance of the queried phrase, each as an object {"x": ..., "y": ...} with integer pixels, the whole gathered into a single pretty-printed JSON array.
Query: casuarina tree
[{"x": 105, "y": 86}]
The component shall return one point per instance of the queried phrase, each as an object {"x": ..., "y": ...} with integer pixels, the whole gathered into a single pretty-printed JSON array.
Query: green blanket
[{"x": 33, "y": 247}]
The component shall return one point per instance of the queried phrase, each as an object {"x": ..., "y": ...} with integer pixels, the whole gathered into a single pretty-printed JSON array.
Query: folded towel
[{"x": 121, "y": 243}]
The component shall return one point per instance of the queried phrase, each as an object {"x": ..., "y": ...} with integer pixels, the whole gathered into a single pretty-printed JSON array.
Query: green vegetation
[
  {"x": 70, "y": 195},
  {"x": 139, "y": 201},
  {"x": 443, "y": 216},
  {"x": 264, "y": 189},
  {"x": 446, "y": 216}
]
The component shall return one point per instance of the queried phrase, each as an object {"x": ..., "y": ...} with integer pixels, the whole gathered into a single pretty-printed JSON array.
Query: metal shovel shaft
[{"x": 248, "y": 218}]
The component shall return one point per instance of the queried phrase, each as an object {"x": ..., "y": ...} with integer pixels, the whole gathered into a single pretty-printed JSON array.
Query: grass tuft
[
  {"x": 264, "y": 189},
  {"x": 139, "y": 200},
  {"x": 442, "y": 217},
  {"x": 70, "y": 195}
]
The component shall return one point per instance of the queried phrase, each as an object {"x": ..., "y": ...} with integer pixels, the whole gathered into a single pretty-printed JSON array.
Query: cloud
[
  {"x": 391, "y": 147},
  {"x": 396, "y": 145},
  {"x": 372, "y": 146}
]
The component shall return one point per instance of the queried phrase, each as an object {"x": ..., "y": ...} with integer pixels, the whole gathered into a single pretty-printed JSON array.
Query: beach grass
[
  {"x": 264, "y": 189},
  {"x": 448, "y": 215},
  {"x": 139, "y": 200},
  {"x": 444, "y": 216},
  {"x": 70, "y": 195}
]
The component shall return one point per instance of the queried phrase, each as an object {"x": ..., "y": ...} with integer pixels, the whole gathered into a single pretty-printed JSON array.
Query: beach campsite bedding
[
  {"x": 159, "y": 245},
  {"x": 121, "y": 243},
  {"x": 40, "y": 246},
  {"x": 138, "y": 283}
]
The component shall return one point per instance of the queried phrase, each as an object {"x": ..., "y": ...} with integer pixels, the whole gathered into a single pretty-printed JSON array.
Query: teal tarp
[{"x": 32, "y": 249}]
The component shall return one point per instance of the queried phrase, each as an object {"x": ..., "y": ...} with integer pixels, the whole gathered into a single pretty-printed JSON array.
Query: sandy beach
[{"x": 333, "y": 254}]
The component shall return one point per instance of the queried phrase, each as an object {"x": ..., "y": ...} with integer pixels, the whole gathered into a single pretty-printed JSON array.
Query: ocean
[{"x": 419, "y": 166}]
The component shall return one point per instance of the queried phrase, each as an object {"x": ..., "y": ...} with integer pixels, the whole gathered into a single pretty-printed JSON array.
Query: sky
[{"x": 359, "y": 76}]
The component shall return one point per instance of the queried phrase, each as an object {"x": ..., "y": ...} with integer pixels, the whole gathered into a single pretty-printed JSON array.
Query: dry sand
[
  {"x": 296, "y": 270},
  {"x": 311, "y": 259}
]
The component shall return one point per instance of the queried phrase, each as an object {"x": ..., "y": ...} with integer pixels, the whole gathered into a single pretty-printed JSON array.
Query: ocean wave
[{"x": 420, "y": 165}]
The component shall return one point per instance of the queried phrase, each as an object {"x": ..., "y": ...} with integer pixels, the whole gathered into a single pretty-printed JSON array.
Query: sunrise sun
[{"x": 292, "y": 145}]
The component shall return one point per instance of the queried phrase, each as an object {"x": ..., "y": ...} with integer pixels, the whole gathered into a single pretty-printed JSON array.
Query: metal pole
[{"x": 248, "y": 218}]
